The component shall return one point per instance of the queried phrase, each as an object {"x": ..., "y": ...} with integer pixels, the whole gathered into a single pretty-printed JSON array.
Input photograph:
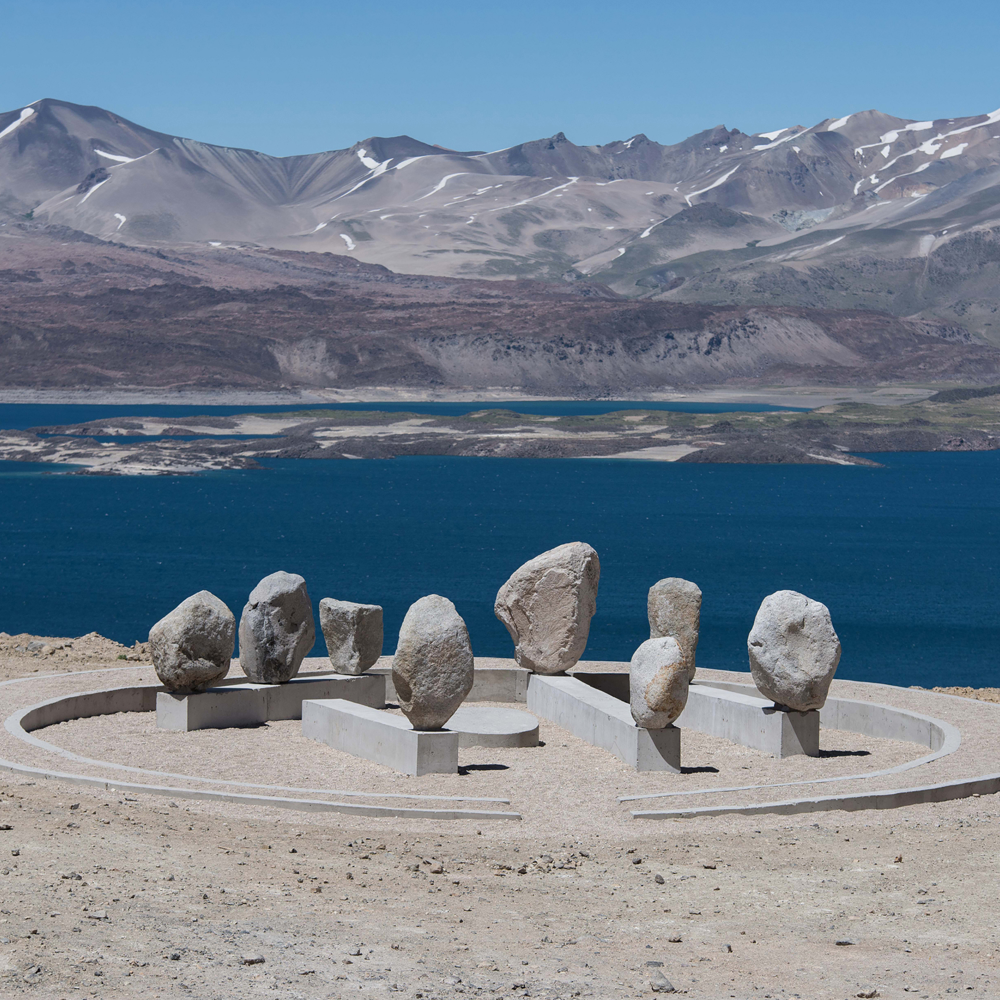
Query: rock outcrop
[
  {"x": 276, "y": 629},
  {"x": 659, "y": 678},
  {"x": 353, "y": 634},
  {"x": 433, "y": 667},
  {"x": 547, "y": 605},
  {"x": 794, "y": 650},
  {"x": 193, "y": 645}
]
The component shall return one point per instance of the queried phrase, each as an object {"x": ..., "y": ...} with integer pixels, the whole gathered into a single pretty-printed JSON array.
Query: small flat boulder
[
  {"x": 794, "y": 651},
  {"x": 276, "y": 629},
  {"x": 659, "y": 680},
  {"x": 432, "y": 669},
  {"x": 353, "y": 634},
  {"x": 674, "y": 608},
  {"x": 192, "y": 646},
  {"x": 547, "y": 605}
]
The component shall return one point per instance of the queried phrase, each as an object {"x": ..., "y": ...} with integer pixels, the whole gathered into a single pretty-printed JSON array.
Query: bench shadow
[
  {"x": 845, "y": 753},
  {"x": 466, "y": 768},
  {"x": 707, "y": 769}
]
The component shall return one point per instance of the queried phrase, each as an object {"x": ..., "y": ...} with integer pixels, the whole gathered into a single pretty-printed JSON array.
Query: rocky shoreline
[{"x": 838, "y": 434}]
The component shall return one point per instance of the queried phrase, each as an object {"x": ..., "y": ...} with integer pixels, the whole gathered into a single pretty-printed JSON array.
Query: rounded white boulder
[
  {"x": 794, "y": 651},
  {"x": 192, "y": 646},
  {"x": 659, "y": 679},
  {"x": 432, "y": 669}
]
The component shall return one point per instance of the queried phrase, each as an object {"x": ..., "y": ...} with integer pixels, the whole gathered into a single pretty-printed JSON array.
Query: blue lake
[
  {"x": 906, "y": 556},
  {"x": 20, "y": 416}
]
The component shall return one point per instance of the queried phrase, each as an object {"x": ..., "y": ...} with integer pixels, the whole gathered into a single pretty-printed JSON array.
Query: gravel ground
[{"x": 111, "y": 895}]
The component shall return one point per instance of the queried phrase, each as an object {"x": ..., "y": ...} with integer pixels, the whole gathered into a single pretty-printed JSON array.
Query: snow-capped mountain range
[{"x": 863, "y": 210}]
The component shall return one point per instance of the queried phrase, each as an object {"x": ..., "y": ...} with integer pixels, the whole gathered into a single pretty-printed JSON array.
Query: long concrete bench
[
  {"x": 604, "y": 721},
  {"x": 380, "y": 737},
  {"x": 737, "y": 715}
]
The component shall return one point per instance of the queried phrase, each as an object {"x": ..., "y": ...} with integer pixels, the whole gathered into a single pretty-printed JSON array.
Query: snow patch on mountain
[
  {"x": 26, "y": 113},
  {"x": 722, "y": 180},
  {"x": 115, "y": 156},
  {"x": 94, "y": 188}
]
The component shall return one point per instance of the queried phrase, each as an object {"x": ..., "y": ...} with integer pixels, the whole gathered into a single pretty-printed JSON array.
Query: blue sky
[{"x": 301, "y": 76}]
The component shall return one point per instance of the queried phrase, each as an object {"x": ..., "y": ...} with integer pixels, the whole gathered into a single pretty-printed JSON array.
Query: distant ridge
[{"x": 865, "y": 210}]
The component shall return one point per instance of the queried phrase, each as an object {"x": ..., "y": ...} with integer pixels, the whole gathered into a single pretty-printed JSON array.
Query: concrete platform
[
  {"x": 233, "y": 705},
  {"x": 482, "y": 726},
  {"x": 489, "y": 684},
  {"x": 734, "y": 712},
  {"x": 380, "y": 737},
  {"x": 605, "y": 721},
  {"x": 751, "y": 721}
]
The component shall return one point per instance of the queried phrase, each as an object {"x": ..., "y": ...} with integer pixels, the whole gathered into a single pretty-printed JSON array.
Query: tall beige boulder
[
  {"x": 659, "y": 679},
  {"x": 794, "y": 650},
  {"x": 547, "y": 605},
  {"x": 353, "y": 634},
  {"x": 432, "y": 669},
  {"x": 674, "y": 608},
  {"x": 277, "y": 629},
  {"x": 191, "y": 647}
]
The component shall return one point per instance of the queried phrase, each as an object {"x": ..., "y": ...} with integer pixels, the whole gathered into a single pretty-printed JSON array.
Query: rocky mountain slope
[
  {"x": 862, "y": 211},
  {"x": 79, "y": 311}
]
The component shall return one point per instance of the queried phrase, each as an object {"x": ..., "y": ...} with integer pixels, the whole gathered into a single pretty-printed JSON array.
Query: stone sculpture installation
[
  {"x": 353, "y": 634},
  {"x": 659, "y": 678},
  {"x": 433, "y": 667},
  {"x": 547, "y": 605},
  {"x": 794, "y": 651},
  {"x": 192, "y": 646},
  {"x": 674, "y": 608},
  {"x": 276, "y": 629}
]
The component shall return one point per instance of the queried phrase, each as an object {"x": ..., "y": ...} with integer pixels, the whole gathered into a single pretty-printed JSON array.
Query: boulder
[
  {"x": 547, "y": 605},
  {"x": 432, "y": 669},
  {"x": 191, "y": 647},
  {"x": 353, "y": 634},
  {"x": 659, "y": 677},
  {"x": 674, "y": 608},
  {"x": 276, "y": 629},
  {"x": 794, "y": 651}
]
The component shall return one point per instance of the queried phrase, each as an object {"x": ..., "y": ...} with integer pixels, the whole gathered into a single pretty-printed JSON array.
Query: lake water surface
[{"x": 906, "y": 556}]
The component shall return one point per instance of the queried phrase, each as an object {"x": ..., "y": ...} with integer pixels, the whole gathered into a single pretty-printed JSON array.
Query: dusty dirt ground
[{"x": 110, "y": 895}]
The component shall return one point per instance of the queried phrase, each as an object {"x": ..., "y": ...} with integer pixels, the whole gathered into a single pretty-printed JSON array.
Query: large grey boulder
[
  {"x": 794, "y": 651},
  {"x": 547, "y": 605},
  {"x": 659, "y": 678},
  {"x": 276, "y": 629},
  {"x": 674, "y": 608},
  {"x": 353, "y": 634},
  {"x": 433, "y": 668},
  {"x": 192, "y": 646}
]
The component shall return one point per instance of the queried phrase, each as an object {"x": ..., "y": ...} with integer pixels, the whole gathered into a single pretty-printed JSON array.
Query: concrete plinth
[
  {"x": 604, "y": 721},
  {"x": 483, "y": 726},
  {"x": 380, "y": 737},
  {"x": 751, "y": 722},
  {"x": 489, "y": 683},
  {"x": 234, "y": 705}
]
